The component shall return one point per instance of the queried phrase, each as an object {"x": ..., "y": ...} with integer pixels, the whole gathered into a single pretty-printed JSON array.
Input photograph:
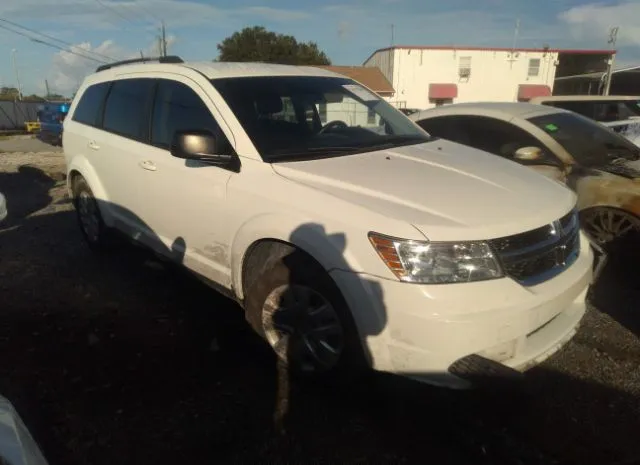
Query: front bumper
[{"x": 420, "y": 331}]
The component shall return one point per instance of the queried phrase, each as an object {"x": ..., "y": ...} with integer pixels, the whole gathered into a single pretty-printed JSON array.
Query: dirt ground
[{"x": 123, "y": 360}]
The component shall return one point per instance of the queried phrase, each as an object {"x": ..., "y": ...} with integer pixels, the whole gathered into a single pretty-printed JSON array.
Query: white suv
[{"x": 350, "y": 237}]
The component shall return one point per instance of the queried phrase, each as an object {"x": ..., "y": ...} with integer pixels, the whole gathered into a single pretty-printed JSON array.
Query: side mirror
[
  {"x": 203, "y": 146},
  {"x": 528, "y": 154}
]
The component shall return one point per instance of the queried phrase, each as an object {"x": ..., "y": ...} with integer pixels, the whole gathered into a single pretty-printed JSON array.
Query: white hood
[{"x": 446, "y": 190}]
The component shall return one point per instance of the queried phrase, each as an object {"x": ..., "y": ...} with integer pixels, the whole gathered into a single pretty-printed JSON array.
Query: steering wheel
[{"x": 333, "y": 125}]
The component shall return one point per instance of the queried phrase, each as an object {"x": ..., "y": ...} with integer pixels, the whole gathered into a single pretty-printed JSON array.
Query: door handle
[
  {"x": 93, "y": 146},
  {"x": 148, "y": 165}
]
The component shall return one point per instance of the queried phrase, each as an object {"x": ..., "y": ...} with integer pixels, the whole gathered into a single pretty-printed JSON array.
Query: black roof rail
[{"x": 166, "y": 59}]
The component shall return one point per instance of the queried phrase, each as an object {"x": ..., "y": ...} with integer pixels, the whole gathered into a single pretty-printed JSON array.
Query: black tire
[
  {"x": 102, "y": 239},
  {"x": 298, "y": 269}
]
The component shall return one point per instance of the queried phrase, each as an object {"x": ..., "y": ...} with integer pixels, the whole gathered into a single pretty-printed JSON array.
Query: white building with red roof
[{"x": 428, "y": 76}]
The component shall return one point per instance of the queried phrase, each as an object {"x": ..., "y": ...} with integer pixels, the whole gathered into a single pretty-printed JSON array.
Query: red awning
[
  {"x": 529, "y": 91},
  {"x": 443, "y": 91}
]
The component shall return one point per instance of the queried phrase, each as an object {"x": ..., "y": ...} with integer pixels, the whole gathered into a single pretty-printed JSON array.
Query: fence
[{"x": 13, "y": 115}]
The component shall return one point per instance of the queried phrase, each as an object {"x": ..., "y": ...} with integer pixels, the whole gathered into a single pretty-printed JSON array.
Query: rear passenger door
[{"x": 121, "y": 148}]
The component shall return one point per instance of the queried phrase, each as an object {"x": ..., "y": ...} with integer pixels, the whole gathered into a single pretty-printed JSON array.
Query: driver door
[{"x": 189, "y": 209}]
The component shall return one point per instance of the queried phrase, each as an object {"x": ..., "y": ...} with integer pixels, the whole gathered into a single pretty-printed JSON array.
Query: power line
[
  {"x": 613, "y": 37},
  {"x": 49, "y": 44},
  {"x": 144, "y": 12},
  {"x": 114, "y": 11},
  {"x": 53, "y": 38},
  {"x": 153, "y": 15},
  {"x": 110, "y": 7}
]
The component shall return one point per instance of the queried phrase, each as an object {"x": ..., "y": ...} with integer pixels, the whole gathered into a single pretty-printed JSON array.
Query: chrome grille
[{"x": 542, "y": 253}]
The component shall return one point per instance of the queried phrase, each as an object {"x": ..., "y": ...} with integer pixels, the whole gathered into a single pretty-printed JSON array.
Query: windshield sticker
[
  {"x": 360, "y": 92},
  {"x": 551, "y": 127}
]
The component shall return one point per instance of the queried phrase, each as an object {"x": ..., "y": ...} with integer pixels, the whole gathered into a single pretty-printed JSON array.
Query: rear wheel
[
  {"x": 297, "y": 308},
  {"x": 95, "y": 232}
]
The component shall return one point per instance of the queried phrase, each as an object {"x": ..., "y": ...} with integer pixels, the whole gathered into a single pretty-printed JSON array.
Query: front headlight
[{"x": 437, "y": 262}]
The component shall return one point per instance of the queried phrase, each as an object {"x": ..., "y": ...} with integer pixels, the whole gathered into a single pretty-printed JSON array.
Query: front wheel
[
  {"x": 617, "y": 233},
  {"x": 297, "y": 308},
  {"x": 611, "y": 228}
]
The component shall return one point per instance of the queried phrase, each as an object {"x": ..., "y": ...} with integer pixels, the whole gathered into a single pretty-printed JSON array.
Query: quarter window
[
  {"x": 90, "y": 105},
  {"x": 127, "y": 108}
]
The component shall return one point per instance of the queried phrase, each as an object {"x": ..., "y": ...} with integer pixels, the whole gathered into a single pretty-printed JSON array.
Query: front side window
[
  {"x": 89, "y": 107},
  {"x": 488, "y": 134},
  {"x": 127, "y": 108},
  {"x": 447, "y": 127},
  {"x": 306, "y": 117},
  {"x": 178, "y": 108},
  {"x": 588, "y": 142}
]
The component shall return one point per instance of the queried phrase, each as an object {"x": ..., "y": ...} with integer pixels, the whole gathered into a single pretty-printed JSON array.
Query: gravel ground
[
  {"x": 120, "y": 359},
  {"x": 26, "y": 144}
]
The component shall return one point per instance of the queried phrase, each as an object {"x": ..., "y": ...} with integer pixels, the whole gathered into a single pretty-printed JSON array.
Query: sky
[{"x": 347, "y": 30}]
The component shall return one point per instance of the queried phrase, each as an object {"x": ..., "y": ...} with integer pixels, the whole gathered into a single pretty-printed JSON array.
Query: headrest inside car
[{"x": 268, "y": 104}]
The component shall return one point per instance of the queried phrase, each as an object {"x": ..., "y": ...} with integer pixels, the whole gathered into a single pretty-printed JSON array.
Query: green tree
[
  {"x": 8, "y": 93},
  {"x": 33, "y": 98},
  {"x": 258, "y": 44}
]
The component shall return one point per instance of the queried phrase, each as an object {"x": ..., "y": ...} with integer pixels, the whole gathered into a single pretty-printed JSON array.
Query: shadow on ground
[
  {"x": 618, "y": 292},
  {"x": 124, "y": 360}
]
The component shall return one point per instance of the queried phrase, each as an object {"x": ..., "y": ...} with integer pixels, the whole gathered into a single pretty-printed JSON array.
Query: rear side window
[
  {"x": 89, "y": 107},
  {"x": 178, "y": 108},
  {"x": 584, "y": 108},
  {"x": 127, "y": 108}
]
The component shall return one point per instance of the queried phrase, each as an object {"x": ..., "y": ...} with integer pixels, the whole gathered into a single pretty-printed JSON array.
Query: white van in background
[{"x": 618, "y": 112}]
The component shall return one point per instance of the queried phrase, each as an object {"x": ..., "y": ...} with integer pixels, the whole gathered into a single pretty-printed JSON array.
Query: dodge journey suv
[{"x": 350, "y": 237}]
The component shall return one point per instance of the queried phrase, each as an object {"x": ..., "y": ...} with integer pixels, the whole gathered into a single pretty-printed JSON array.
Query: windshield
[
  {"x": 306, "y": 117},
  {"x": 588, "y": 142}
]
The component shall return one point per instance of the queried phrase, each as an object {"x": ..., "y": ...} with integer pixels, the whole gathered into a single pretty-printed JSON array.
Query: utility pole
[
  {"x": 613, "y": 37},
  {"x": 164, "y": 41},
  {"x": 515, "y": 37},
  {"x": 46, "y": 86},
  {"x": 15, "y": 70},
  {"x": 393, "y": 28}
]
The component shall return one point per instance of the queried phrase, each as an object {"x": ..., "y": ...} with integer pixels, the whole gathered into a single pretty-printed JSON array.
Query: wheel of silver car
[
  {"x": 303, "y": 328},
  {"x": 606, "y": 225},
  {"x": 92, "y": 226}
]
